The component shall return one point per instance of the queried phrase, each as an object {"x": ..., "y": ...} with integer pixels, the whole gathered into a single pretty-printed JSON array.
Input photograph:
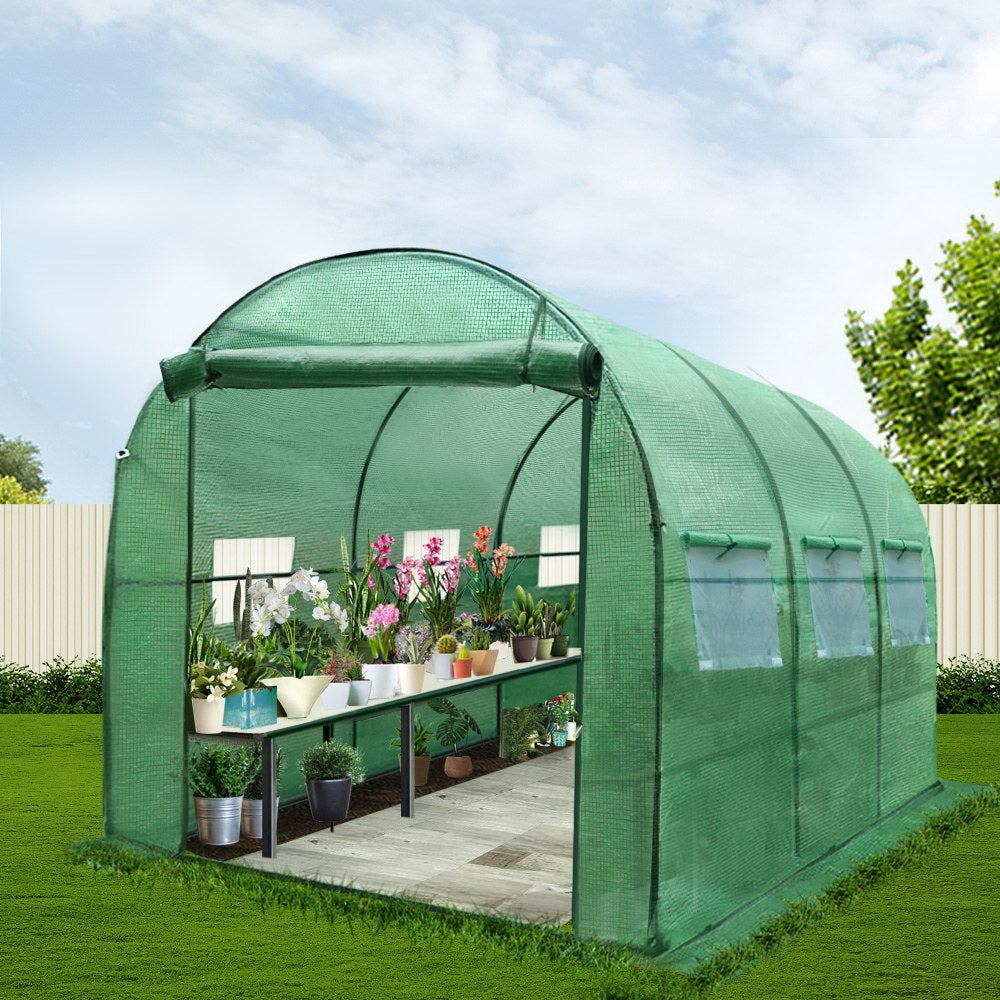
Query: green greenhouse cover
[{"x": 727, "y": 764}]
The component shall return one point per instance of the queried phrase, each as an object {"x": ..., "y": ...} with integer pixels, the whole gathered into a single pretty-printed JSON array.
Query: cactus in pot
[
  {"x": 441, "y": 659},
  {"x": 462, "y": 665}
]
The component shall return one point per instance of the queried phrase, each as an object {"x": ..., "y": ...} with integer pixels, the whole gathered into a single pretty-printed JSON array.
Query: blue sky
[{"x": 725, "y": 174}]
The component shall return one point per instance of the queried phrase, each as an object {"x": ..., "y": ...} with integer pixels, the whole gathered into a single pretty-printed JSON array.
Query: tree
[
  {"x": 19, "y": 458},
  {"x": 935, "y": 392},
  {"x": 11, "y": 491}
]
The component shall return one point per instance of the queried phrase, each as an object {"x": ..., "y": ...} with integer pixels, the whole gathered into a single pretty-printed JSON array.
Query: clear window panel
[
  {"x": 735, "y": 608},
  {"x": 904, "y": 580},
  {"x": 839, "y": 603}
]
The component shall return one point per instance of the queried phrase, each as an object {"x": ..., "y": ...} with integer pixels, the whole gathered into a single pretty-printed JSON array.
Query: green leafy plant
[
  {"x": 968, "y": 685},
  {"x": 339, "y": 663},
  {"x": 488, "y": 574},
  {"x": 255, "y": 770},
  {"x": 251, "y": 662},
  {"x": 413, "y": 644},
  {"x": 422, "y": 736},
  {"x": 562, "y": 615},
  {"x": 456, "y": 724},
  {"x": 218, "y": 771},
  {"x": 203, "y": 644},
  {"x": 447, "y": 644},
  {"x": 19, "y": 461},
  {"x": 355, "y": 671},
  {"x": 520, "y": 728},
  {"x": 561, "y": 710},
  {"x": 523, "y": 615},
  {"x": 213, "y": 681},
  {"x": 479, "y": 640},
  {"x": 61, "y": 686},
  {"x": 332, "y": 760},
  {"x": 242, "y": 610}
]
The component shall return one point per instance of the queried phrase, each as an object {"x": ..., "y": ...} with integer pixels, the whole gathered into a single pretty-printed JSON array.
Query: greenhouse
[{"x": 752, "y": 651}]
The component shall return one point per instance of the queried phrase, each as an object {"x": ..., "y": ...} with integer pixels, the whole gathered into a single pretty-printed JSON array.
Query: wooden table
[{"x": 503, "y": 673}]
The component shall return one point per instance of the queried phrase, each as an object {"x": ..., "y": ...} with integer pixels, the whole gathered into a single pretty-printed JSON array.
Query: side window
[
  {"x": 904, "y": 583},
  {"x": 233, "y": 556},
  {"x": 735, "y": 606},
  {"x": 838, "y": 596},
  {"x": 559, "y": 571}
]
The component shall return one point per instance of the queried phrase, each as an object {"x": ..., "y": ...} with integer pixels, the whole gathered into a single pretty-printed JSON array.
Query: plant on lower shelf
[
  {"x": 422, "y": 736},
  {"x": 520, "y": 728},
  {"x": 330, "y": 770},
  {"x": 255, "y": 773},
  {"x": 561, "y": 713},
  {"x": 218, "y": 771},
  {"x": 452, "y": 730}
]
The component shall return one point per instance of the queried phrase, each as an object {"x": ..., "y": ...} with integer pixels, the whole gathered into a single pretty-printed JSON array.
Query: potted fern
[
  {"x": 330, "y": 770},
  {"x": 451, "y": 731},
  {"x": 422, "y": 736},
  {"x": 252, "y": 817},
  {"x": 523, "y": 622},
  {"x": 218, "y": 777}
]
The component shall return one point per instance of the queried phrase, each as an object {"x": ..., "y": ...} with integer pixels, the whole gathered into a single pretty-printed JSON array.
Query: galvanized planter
[
  {"x": 252, "y": 821},
  {"x": 218, "y": 820}
]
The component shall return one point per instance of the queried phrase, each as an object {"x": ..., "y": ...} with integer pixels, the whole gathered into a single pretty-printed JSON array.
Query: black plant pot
[{"x": 329, "y": 798}]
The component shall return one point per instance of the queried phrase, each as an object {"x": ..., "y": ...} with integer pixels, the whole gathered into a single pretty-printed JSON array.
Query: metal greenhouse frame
[{"x": 759, "y": 669}]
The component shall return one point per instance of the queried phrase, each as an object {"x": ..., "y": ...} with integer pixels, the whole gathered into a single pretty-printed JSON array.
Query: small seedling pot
[
  {"x": 458, "y": 767},
  {"x": 483, "y": 661},
  {"x": 218, "y": 820},
  {"x": 462, "y": 667},
  {"x": 411, "y": 678},
  {"x": 329, "y": 798},
  {"x": 525, "y": 648},
  {"x": 360, "y": 693},
  {"x": 544, "y": 651}
]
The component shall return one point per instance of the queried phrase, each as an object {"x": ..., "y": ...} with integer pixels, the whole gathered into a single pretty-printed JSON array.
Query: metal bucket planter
[
  {"x": 218, "y": 820},
  {"x": 329, "y": 798},
  {"x": 251, "y": 709},
  {"x": 441, "y": 662},
  {"x": 207, "y": 714},
  {"x": 411, "y": 678},
  {"x": 544, "y": 651},
  {"x": 560, "y": 645},
  {"x": 525, "y": 648},
  {"x": 252, "y": 818},
  {"x": 383, "y": 677},
  {"x": 360, "y": 693},
  {"x": 336, "y": 696}
]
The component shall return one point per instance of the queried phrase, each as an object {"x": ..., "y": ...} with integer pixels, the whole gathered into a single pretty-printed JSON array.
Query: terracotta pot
[
  {"x": 463, "y": 667},
  {"x": 525, "y": 648},
  {"x": 298, "y": 694},
  {"x": 458, "y": 767},
  {"x": 483, "y": 661},
  {"x": 411, "y": 678},
  {"x": 421, "y": 767}
]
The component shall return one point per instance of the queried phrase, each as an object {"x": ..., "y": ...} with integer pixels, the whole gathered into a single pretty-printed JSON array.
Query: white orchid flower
[
  {"x": 321, "y": 613},
  {"x": 302, "y": 581},
  {"x": 339, "y": 615},
  {"x": 214, "y": 694},
  {"x": 260, "y": 621}
]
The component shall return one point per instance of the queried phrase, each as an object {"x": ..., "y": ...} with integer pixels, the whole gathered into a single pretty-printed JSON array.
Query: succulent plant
[
  {"x": 241, "y": 609},
  {"x": 463, "y": 652},
  {"x": 447, "y": 644},
  {"x": 524, "y": 616},
  {"x": 480, "y": 639}
]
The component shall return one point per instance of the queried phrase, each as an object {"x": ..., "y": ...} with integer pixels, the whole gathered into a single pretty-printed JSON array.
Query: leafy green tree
[
  {"x": 935, "y": 391},
  {"x": 19, "y": 458},
  {"x": 11, "y": 491}
]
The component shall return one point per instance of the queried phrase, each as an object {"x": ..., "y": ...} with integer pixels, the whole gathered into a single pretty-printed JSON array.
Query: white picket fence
[{"x": 52, "y": 577}]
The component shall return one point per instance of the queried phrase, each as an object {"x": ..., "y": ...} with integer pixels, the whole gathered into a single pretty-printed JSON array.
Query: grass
[{"x": 68, "y": 932}]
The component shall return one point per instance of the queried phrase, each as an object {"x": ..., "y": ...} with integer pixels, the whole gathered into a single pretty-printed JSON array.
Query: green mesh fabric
[{"x": 705, "y": 796}]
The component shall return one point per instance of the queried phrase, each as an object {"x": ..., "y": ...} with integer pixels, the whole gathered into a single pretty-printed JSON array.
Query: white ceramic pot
[
  {"x": 441, "y": 663},
  {"x": 298, "y": 695},
  {"x": 383, "y": 677},
  {"x": 505, "y": 655},
  {"x": 335, "y": 695},
  {"x": 360, "y": 693},
  {"x": 411, "y": 678},
  {"x": 208, "y": 714}
]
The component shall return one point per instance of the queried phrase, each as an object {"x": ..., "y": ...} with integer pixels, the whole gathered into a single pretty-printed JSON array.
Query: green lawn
[{"x": 66, "y": 931}]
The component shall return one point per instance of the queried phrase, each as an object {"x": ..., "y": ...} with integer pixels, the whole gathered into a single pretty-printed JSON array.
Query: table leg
[
  {"x": 407, "y": 790},
  {"x": 269, "y": 845}
]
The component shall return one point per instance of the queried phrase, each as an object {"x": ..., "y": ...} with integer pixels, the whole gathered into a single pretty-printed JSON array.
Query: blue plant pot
[
  {"x": 251, "y": 709},
  {"x": 558, "y": 737}
]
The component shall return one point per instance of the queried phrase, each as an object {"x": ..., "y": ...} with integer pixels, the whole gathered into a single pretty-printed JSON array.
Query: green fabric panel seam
[
  {"x": 832, "y": 542},
  {"x": 723, "y": 540},
  {"x": 902, "y": 545}
]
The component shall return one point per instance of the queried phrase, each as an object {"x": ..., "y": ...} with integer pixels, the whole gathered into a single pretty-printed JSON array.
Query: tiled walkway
[{"x": 501, "y": 844}]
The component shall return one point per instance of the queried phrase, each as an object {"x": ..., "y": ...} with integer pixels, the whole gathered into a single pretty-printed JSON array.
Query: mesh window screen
[
  {"x": 838, "y": 598},
  {"x": 904, "y": 577}
]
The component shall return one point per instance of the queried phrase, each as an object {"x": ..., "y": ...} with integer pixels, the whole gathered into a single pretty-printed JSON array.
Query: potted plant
[
  {"x": 545, "y": 615},
  {"x": 462, "y": 664},
  {"x": 413, "y": 645},
  {"x": 338, "y": 666},
  {"x": 488, "y": 580},
  {"x": 451, "y": 731},
  {"x": 361, "y": 687},
  {"x": 437, "y": 588},
  {"x": 483, "y": 657},
  {"x": 209, "y": 684},
  {"x": 422, "y": 736},
  {"x": 257, "y": 704},
  {"x": 560, "y": 641},
  {"x": 441, "y": 658},
  {"x": 330, "y": 770},
  {"x": 561, "y": 714},
  {"x": 252, "y": 818},
  {"x": 518, "y": 731},
  {"x": 523, "y": 626},
  {"x": 274, "y": 615},
  {"x": 218, "y": 776},
  {"x": 380, "y": 631}
]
